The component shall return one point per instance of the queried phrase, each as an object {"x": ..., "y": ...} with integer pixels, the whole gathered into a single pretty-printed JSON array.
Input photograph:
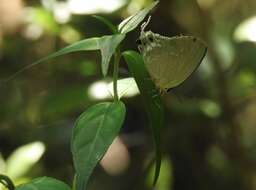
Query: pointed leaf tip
[
  {"x": 152, "y": 102},
  {"x": 108, "y": 46},
  {"x": 133, "y": 21}
]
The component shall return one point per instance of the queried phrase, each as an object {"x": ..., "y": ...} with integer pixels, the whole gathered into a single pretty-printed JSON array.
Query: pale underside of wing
[{"x": 173, "y": 60}]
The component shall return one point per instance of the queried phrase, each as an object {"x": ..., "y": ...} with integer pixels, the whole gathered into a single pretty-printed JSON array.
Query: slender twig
[
  {"x": 115, "y": 73},
  {"x": 7, "y": 182}
]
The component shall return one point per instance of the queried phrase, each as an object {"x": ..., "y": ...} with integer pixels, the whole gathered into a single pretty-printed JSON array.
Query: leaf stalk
[{"x": 117, "y": 57}]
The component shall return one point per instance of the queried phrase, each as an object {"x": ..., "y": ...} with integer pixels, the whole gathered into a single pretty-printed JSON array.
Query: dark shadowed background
[{"x": 209, "y": 139}]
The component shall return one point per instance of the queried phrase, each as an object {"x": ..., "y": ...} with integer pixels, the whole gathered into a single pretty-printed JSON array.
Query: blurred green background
[{"x": 209, "y": 139}]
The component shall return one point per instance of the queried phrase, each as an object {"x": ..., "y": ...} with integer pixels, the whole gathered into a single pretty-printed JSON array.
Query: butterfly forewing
[{"x": 170, "y": 61}]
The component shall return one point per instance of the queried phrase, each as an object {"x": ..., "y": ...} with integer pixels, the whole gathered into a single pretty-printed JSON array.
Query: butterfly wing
[{"x": 170, "y": 61}]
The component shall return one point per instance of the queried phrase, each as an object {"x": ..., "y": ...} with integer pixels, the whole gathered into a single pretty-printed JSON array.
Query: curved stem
[
  {"x": 115, "y": 73},
  {"x": 7, "y": 182}
]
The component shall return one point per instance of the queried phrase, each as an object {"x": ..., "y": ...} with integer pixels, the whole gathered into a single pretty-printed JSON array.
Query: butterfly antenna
[{"x": 144, "y": 25}]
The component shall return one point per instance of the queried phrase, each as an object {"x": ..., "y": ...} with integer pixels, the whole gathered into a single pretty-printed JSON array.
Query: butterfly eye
[{"x": 138, "y": 42}]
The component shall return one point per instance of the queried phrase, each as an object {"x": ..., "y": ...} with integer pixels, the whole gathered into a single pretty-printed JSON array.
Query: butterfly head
[{"x": 146, "y": 39}]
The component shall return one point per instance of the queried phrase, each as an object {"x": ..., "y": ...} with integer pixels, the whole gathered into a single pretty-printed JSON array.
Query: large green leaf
[
  {"x": 133, "y": 21},
  {"x": 151, "y": 99},
  {"x": 106, "y": 44},
  {"x": 93, "y": 133},
  {"x": 44, "y": 183}
]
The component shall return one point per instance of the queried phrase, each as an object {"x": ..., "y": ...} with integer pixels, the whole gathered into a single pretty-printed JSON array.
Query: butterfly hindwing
[{"x": 170, "y": 61}]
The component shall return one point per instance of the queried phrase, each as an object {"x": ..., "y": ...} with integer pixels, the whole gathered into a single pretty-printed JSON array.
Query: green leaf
[
  {"x": 133, "y": 21},
  {"x": 83, "y": 45},
  {"x": 111, "y": 26},
  {"x": 106, "y": 44},
  {"x": 152, "y": 100},
  {"x": 93, "y": 133},
  {"x": 44, "y": 183},
  {"x": 23, "y": 158}
]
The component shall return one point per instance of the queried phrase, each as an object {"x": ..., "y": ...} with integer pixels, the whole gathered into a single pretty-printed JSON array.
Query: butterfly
[{"x": 170, "y": 60}]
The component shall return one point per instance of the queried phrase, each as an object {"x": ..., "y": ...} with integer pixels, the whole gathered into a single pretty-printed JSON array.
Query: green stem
[
  {"x": 7, "y": 182},
  {"x": 115, "y": 73}
]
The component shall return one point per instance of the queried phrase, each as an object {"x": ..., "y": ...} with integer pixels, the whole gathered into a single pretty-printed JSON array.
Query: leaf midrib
[{"x": 98, "y": 131}]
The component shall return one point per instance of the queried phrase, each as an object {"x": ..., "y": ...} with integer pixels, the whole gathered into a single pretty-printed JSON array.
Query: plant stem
[
  {"x": 7, "y": 182},
  {"x": 115, "y": 73}
]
